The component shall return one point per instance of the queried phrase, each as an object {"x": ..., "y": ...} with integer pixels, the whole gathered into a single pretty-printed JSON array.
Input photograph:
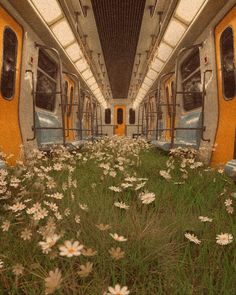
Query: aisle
[{"x": 117, "y": 217}]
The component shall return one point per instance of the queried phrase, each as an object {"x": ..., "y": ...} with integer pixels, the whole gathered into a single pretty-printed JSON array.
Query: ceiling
[{"x": 118, "y": 24}]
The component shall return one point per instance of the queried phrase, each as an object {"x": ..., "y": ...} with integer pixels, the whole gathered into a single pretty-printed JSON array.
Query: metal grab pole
[{"x": 34, "y": 106}]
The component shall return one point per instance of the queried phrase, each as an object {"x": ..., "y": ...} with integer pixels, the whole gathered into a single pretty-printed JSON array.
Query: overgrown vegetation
[{"x": 117, "y": 212}]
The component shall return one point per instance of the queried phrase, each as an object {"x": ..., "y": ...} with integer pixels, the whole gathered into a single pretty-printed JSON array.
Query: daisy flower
[
  {"x": 228, "y": 202},
  {"x": 5, "y": 225},
  {"x": 115, "y": 189},
  {"x": 116, "y": 253},
  {"x": 165, "y": 174},
  {"x": 224, "y": 239},
  {"x": 121, "y": 205},
  {"x": 147, "y": 198},
  {"x": 118, "y": 238},
  {"x": 118, "y": 290},
  {"x": 26, "y": 234},
  {"x": 70, "y": 249},
  {"x": 89, "y": 252},
  {"x": 192, "y": 238},
  {"x": 18, "y": 269},
  {"x": 53, "y": 281},
  {"x": 49, "y": 243},
  {"x": 85, "y": 270},
  {"x": 205, "y": 219}
]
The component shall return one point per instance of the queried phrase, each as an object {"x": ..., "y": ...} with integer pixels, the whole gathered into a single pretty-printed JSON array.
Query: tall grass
[{"x": 158, "y": 258}]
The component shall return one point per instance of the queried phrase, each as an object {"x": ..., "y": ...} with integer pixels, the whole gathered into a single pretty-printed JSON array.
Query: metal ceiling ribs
[{"x": 118, "y": 23}]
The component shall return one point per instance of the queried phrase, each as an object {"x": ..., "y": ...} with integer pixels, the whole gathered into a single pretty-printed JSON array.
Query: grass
[{"x": 158, "y": 258}]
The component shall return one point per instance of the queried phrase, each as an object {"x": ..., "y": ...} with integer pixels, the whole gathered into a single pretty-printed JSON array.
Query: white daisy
[
  {"x": 192, "y": 238},
  {"x": 205, "y": 219},
  {"x": 147, "y": 198},
  {"x": 228, "y": 202},
  {"x": 224, "y": 239},
  {"x": 53, "y": 281},
  {"x": 121, "y": 205},
  {"x": 70, "y": 249},
  {"x": 118, "y": 238},
  {"x": 118, "y": 290}
]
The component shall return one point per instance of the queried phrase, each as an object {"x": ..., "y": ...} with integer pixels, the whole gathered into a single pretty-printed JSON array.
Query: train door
[
  {"x": 225, "y": 38},
  {"x": 119, "y": 120},
  {"x": 11, "y": 35},
  {"x": 68, "y": 108},
  {"x": 169, "y": 87}
]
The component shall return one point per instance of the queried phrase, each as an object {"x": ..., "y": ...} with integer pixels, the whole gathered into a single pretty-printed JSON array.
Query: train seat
[
  {"x": 184, "y": 138},
  {"x": 48, "y": 136},
  {"x": 230, "y": 169},
  {"x": 2, "y": 164}
]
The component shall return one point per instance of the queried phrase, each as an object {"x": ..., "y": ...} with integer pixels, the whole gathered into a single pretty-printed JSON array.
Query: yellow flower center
[{"x": 71, "y": 250}]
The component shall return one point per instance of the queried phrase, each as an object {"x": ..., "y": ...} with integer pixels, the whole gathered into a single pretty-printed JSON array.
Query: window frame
[{"x": 15, "y": 70}]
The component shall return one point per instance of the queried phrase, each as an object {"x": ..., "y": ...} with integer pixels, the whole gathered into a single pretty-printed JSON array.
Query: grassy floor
[{"x": 158, "y": 258}]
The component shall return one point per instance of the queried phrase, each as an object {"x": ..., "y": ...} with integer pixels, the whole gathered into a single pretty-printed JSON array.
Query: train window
[
  {"x": 46, "y": 82},
  {"x": 131, "y": 116},
  {"x": 227, "y": 63},
  {"x": 69, "y": 107},
  {"x": 119, "y": 116},
  {"x": 10, "y": 44},
  {"x": 191, "y": 82},
  {"x": 107, "y": 116},
  {"x": 65, "y": 98}
]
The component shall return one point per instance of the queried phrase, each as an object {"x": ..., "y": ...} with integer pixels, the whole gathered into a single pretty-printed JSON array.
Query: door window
[
  {"x": 119, "y": 116},
  {"x": 9, "y": 63},
  {"x": 227, "y": 63}
]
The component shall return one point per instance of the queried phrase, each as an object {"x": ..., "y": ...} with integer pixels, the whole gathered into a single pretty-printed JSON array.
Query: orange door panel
[
  {"x": 119, "y": 120},
  {"x": 10, "y": 67},
  {"x": 68, "y": 109},
  {"x": 225, "y": 38}
]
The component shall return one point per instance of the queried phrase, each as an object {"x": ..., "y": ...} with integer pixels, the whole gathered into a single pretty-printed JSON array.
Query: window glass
[
  {"x": 46, "y": 82},
  {"x": 131, "y": 116},
  {"x": 65, "y": 97},
  {"x": 168, "y": 101},
  {"x": 69, "y": 107},
  {"x": 191, "y": 82},
  {"x": 120, "y": 116},
  {"x": 9, "y": 63},
  {"x": 107, "y": 116},
  {"x": 227, "y": 63}
]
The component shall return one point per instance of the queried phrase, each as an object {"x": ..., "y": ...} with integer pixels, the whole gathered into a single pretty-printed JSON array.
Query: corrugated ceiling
[{"x": 118, "y": 23}]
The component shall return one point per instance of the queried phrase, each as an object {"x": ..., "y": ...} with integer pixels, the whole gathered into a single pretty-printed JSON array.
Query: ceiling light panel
[
  {"x": 91, "y": 81},
  {"x": 148, "y": 81},
  {"x": 82, "y": 65},
  {"x": 164, "y": 51},
  {"x": 74, "y": 52},
  {"x": 49, "y": 10},
  {"x": 157, "y": 64},
  {"x": 187, "y": 10},
  {"x": 63, "y": 32},
  {"x": 174, "y": 32},
  {"x": 94, "y": 87},
  {"x": 151, "y": 74},
  {"x": 145, "y": 87},
  {"x": 87, "y": 74}
]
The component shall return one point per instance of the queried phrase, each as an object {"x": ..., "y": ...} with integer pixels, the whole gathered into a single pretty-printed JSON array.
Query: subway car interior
[{"x": 98, "y": 80}]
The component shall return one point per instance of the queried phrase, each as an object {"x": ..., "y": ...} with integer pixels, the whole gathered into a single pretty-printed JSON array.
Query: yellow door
[
  {"x": 225, "y": 140},
  {"x": 119, "y": 120},
  {"x": 68, "y": 109},
  {"x": 10, "y": 68}
]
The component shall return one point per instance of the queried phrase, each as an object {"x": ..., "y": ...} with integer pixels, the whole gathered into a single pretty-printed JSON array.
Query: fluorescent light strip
[
  {"x": 187, "y": 9},
  {"x": 74, "y": 52},
  {"x": 49, "y": 10},
  {"x": 63, "y": 32},
  {"x": 174, "y": 32}
]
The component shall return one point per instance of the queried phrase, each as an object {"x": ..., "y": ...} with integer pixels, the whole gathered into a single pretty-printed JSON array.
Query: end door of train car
[
  {"x": 11, "y": 35},
  {"x": 225, "y": 38},
  {"x": 119, "y": 120}
]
